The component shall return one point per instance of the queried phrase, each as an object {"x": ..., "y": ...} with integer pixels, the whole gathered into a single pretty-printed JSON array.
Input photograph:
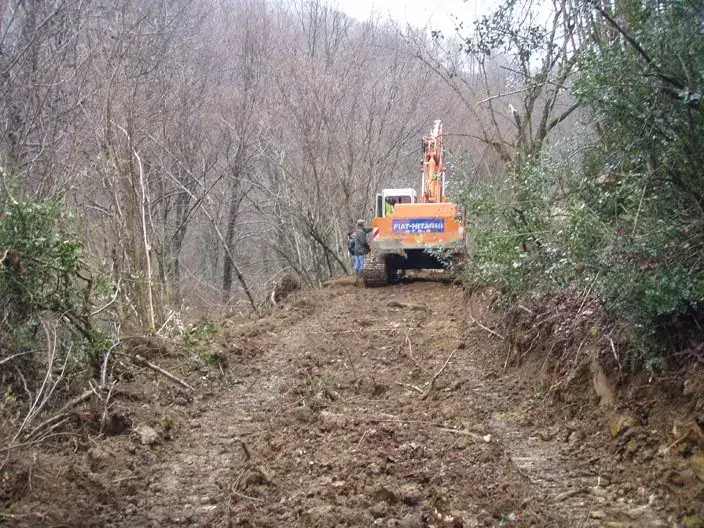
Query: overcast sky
[{"x": 436, "y": 13}]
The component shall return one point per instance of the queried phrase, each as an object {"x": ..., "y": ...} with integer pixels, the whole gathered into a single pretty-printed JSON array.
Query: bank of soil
[{"x": 387, "y": 407}]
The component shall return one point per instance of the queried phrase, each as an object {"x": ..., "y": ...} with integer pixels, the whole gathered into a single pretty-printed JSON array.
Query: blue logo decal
[{"x": 418, "y": 225}]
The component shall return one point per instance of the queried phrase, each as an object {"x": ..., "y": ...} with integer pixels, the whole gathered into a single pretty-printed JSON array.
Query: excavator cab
[{"x": 388, "y": 199}]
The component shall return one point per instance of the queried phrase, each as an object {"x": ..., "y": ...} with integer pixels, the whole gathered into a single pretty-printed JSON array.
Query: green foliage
[
  {"x": 647, "y": 95},
  {"x": 203, "y": 334},
  {"x": 44, "y": 307},
  {"x": 208, "y": 359},
  {"x": 506, "y": 30},
  {"x": 199, "y": 341},
  {"x": 511, "y": 235},
  {"x": 40, "y": 260},
  {"x": 650, "y": 94},
  {"x": 624, "y": 219}
]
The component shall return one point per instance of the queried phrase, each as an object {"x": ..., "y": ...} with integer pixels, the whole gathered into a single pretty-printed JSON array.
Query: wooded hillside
[{"x": 166, "y": 161}]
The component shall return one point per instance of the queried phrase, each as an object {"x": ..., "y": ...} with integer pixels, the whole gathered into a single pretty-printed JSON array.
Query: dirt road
[{"x": 363, "y": 407}]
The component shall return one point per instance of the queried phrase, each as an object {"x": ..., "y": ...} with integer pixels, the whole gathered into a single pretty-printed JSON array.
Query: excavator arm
[{"x": 433, "y": 168}]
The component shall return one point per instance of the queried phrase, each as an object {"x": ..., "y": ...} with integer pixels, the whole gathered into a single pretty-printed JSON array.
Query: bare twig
[
  {"x": 237, "y": 484},
  {"x": 576, "y": 356},
  {"x": 486, "y": 328},
  {"x": 613, "y": 349},
  {"x": 242, "y": 495},
  {"x": 473, "y": 436},
  {"x": 47, "y": 388},
  {"x": 513, "y": 92},
  {"x": 3, "y": 177},
  {"x": 111, "y": 301},
  {"x": 471, "y": 316},
  {"x": 13, "y": 356},
  {"x": 47, "y": 432},
  {"x": 586, "y": 295},
  {"x": 679, "y": 440},
  {"x": 155, "y": 368},
  {"x": 508, "y": 355},
  {"x": 125, "y": 479},
  {"x": 171, "y": 316},
  {"x": 414, "y": 387},
  {"x": 272, "y": 297},
  {"x": 529, "y": 348},
  {"x": 78, "y": 399},
  {"x": 30, "y": 443},
  {"x": 386, "y": 329},
  {"x": 547, "y": 356},
  {"x": 247, "y": 455},
  {"x": 145, "y": 239},
  {"x": 65, "y": 411},
  {"x": 104, "y": 368},
  {"x": 105, "y": 407},
  {"x": 435, "y": 377},
  {"x": 30, "y": 397},
  {"x": 410, "y": 352},
  {"x": 640, "y": 206}
]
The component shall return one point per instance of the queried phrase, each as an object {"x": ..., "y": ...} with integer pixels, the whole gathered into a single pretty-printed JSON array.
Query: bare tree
[
  {"x": 137, "y": 116},
  {"x": 43, "y": 73},
  {"x": 512, "y": 74},
  {"x": 206, "y": 147},
  {"x": 353, "y": 126}
]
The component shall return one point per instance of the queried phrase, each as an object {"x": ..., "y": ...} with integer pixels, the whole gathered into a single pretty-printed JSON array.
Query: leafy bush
[
  {"x": 39, "y": 262},
  {"x": 511, "y": 234},
  {"x": 199, "y": 340},
  {"x": 647, "y": 94},
  {"x": 45, "y": 329},
  {"x": 624, "y": 220}
]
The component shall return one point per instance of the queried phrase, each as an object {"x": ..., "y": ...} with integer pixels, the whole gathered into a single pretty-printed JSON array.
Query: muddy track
[{"x": 350, "y": 406}]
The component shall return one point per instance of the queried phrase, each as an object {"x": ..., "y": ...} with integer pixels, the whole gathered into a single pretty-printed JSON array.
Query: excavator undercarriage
[{"x": 383, "y": 268}]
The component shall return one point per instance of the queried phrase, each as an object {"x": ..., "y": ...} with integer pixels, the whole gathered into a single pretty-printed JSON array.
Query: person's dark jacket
[
  {"x": 361, "y": 245},
  {"x": 350, "y": 242}
]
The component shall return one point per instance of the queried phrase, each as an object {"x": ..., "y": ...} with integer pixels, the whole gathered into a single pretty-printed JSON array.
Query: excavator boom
[{"x": 433, "y": 169}]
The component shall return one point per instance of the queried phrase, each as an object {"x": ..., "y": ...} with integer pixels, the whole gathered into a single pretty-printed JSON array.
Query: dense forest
[{"x": 168, "y": 162}]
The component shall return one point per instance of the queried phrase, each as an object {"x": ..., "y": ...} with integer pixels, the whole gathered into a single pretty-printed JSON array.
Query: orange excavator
[{"x": 415, "y": 234}]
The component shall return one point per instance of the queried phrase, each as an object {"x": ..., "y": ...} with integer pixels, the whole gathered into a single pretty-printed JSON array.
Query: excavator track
[{"x": 375, "y": 273}]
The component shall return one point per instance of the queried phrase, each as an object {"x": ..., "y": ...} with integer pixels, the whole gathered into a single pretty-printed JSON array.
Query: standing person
[{"x": 361, "y": 246}]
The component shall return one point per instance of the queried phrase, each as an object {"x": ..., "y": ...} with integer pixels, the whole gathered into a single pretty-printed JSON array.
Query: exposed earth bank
[{"x": 394, "y": 407}]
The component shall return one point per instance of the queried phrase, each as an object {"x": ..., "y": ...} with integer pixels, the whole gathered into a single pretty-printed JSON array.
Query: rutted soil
[{"x": 349, "y": 406}]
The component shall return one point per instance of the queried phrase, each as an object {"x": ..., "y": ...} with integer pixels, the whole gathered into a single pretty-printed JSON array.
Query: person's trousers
[{"x": 357, "y": 264}]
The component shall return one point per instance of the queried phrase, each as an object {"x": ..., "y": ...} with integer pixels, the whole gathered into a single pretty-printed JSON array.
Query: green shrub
[
  {"x": 40, "y": 262},
  {"x": 511, "y": 234},
  {"x": 44, "y": 311},
  {"x": 623, "y": 218}
]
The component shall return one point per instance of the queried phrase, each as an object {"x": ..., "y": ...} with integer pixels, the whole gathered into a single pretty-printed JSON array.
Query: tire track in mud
[
  {"x": 567, "y": 482},
  {"x": 323, "y": 423}
]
